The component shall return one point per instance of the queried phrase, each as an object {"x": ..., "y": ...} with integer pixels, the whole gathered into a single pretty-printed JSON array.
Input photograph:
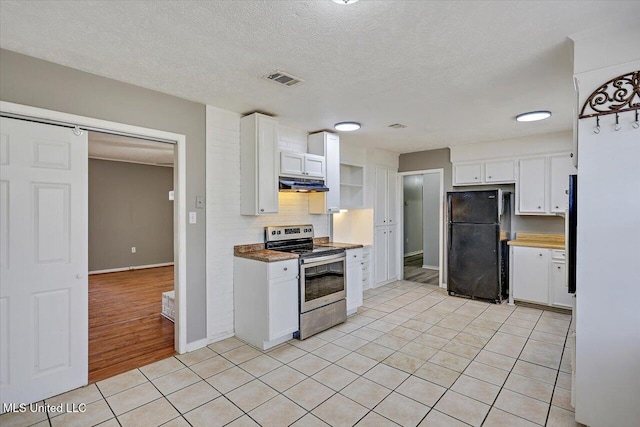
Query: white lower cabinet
[
  {"x": 386, "y": 255},
  {"x": 538, "y": 276},
  {"x": 265, "y": 297},
  {"x": 354, "y": 279}
]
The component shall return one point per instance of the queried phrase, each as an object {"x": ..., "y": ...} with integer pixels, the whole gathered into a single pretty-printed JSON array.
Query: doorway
[
  {"x": 422, "y": 225},
  {"x": 63, "y": 153},
  {"x": 131, "y": 256}
]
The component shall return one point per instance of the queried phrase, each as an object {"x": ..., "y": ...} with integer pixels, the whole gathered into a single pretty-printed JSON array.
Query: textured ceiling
[{"x": 454, "y": 72}]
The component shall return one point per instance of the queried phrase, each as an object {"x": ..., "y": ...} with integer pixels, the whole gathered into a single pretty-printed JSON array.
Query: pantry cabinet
[
  {"x": 385, "y": 196},
  {"x": 265, "y": 298},
  {"x": 258, "y": 165},
  {"x": 386, "y": 254}
]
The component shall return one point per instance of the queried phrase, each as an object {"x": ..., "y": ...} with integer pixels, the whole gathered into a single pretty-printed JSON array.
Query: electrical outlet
[
  {"x": 133, "y": 249},
  {"x": 192, "y": 218}
]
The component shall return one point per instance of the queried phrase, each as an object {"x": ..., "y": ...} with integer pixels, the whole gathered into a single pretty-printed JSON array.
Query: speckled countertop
[
  {"x": 548, "y": 241},
  {"x": 257, "y": 251}
]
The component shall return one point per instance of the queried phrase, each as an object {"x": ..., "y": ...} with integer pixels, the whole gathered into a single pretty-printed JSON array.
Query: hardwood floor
[
  {"x": 126, "y": 330},
  {"x": 414, "y": 272}
]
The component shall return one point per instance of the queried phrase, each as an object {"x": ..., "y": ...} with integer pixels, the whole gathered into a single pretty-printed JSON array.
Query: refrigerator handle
[{"x": 449, "y": 235}]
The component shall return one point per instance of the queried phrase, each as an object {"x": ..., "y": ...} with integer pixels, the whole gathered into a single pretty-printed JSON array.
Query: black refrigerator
[{"x": 478, "y": 257}]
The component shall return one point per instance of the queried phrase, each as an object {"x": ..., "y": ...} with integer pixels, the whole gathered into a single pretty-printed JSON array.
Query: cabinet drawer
[
  {"x": 282, "y": 269},
  {"x": 354, "y": 255}
]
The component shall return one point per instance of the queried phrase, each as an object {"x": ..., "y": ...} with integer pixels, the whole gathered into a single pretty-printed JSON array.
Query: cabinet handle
[
  {"x": 557, "y": 207},
  {"x": 261, "y": 210},
  {"x": 285, "y": 269},
  {"x": 566, "y": 191},
  {"x": 539, "y": 207},
  {"x": 384, "y": 221},
  {"x": 475, "y": 177},
  {"x": 489, "y": 177},
  {"x": 298, "y": 276},
  {"x": 390, "y": 220},
  {"x": 539, "y": 254},
  {"x": 558, "y": 267},
  {"x": 362, "y": 263}
]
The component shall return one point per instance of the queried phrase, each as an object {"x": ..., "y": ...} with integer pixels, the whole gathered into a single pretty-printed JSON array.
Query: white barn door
[{"x": 43, "y": 261}]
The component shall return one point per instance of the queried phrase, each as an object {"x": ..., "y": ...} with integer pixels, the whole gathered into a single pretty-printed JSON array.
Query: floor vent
[
  {"x": 397, "y": 126},
  {"x": 283, "y": 78}
]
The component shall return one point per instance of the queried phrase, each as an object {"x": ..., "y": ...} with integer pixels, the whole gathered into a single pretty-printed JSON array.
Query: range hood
[{"x": 301, "y": 185}]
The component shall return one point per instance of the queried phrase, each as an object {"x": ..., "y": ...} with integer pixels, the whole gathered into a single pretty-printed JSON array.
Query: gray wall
[
  {"x": 413, "y": 217},
  {"x": 34, "y": 82},
  {"x": 129, "y": 206},
  {"x": 431, "y": 211}
]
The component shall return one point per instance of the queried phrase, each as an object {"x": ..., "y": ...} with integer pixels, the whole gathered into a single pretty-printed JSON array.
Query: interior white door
[{"x": 43, "y": 261}]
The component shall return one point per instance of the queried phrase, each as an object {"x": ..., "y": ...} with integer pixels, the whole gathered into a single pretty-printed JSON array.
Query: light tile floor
[{"x": 411, "y": 356}]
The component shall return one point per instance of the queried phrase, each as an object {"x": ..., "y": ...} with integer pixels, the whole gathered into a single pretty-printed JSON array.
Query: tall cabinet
[
  {"x": 259, "y": 165},
  {"x": 386, "y": 230},
  {"x": 328, "y": 145}
]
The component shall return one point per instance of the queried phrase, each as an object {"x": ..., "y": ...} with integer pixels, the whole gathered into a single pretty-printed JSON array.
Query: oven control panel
[{"x": 288, "y": 232}]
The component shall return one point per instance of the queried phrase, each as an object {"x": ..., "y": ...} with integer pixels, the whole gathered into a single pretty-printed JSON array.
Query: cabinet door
[
  {"x": 354, "y": 285},
  {"x": 292, "y": 164},
  {"x": 531, "y": 274},
  {"x": 381, "y": 247},
  {"x": 558, "y": 286},
  {"x": 531, "y": 185},
  {"x": 500, "y": 171},
  {"x": 267, "y": 163},
  {"x": 332, "y": 175},
  {"x": 392, "y": 178},
  {"x": 467, "y": 174},
  {"x": 283, "y": 307},
  {"x": 314, "y": 166},
  {"x": 561, "y": 167},
  {"x": 380, "y": 207},
  {"x": 392, "y": 254}
]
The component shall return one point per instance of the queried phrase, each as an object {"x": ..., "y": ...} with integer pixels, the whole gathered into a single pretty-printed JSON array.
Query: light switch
[
  {"x": 192, "y": 217},
  {"x": 171, "y": 195},
  {"x": 199, "y": 202}
]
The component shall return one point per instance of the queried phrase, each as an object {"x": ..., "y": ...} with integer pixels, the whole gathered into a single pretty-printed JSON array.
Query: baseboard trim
[
  {"x": 133, "y": 267},
  {"x": 413, "y": 253},
  {"x": 195, "y": 345},
  {"x": 220, "y": 336},
  {"x": 431, "y": 267}
]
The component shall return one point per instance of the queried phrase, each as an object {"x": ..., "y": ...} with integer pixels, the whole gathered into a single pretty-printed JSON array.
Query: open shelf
[{"x": 351, "y": 186}]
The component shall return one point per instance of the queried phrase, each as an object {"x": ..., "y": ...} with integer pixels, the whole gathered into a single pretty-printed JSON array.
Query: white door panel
[{"x": 43, "y": 261}]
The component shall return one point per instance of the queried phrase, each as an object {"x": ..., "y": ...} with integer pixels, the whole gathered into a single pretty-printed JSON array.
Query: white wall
[
  {"x": 225, "y": 226},
  {"x": 431, "y": 219},
  {"x": 608, "y": 290},
  {"x": 413, "y": 218}
]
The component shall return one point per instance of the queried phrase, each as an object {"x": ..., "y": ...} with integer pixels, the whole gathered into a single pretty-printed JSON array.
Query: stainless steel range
[{"x": 322, "y": 295}]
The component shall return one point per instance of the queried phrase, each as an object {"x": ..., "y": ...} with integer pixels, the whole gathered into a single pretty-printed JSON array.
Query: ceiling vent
[
  {"x": 397, "y": 126},
  {"x": 283, "y": 78}
]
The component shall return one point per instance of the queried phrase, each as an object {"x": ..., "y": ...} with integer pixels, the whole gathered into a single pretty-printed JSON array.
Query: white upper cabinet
[
  {"x": 560, "y": 167},
  {"x": 500, "y": 171},
  {"x": 301, "y": 165},
  {"x": 542, "y": 187},
  {"x": 531, "y": 186},
  {"x": 486, "y": 172},
  {"x": 325, "y": 146},
  {"x": 470, "y": 173},
  {"x": 292, "y": 164},
  {"x": 314, "y": 166},
  {"x": 259, "y": 165},
  {"x": 392, "y": 178}
]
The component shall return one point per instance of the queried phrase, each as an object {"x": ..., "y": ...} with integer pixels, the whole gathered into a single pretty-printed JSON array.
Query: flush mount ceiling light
[
  {"x": 345, "y": 1},
  {"x": 533, "y": 116},
  {"x": 347, "y": 126}
]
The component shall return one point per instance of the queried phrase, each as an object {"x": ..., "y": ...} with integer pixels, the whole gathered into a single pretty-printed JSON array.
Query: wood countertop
[
  {"x": 257, "y": 251},
  {"x": 534, "y": 240}
]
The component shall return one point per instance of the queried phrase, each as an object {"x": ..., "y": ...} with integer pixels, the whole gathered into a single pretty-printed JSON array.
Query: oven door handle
[{"x": 322, "y": 260}]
